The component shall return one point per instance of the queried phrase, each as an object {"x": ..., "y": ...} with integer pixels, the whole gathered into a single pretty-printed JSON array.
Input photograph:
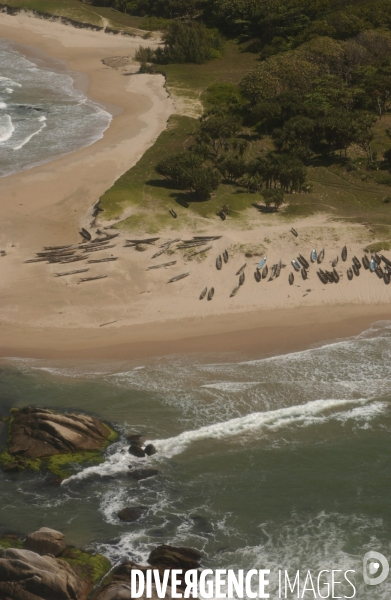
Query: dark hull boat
[
  {"x": 335, "y": 262},
  {"x": 365, "y": 262},
  {"x": 356, "y": 262},
  {"x": 355, "y": 270},
  {"x": 350, "y": 274},
  {"x": 294, "y": 232},
  {"x": 387, "y": 278},
  {"x": 265, "y": 272},
  {"x": 320, "y": 256},
  {"x": 173, "y": 213},
  {"x": 344, "y": 253},
  {"x": 225, "y": 256},
  {"x": 241, "y": 279},
  {"x": 304, "y": 263},
  {"x": 222, "y": 215},
  {"x": 211, "y": 293},
  {"x": 85, "y": 234},
  {"x": 178, "y": 277},
  {"x": 241, "y": 269},
  {"x": 291, "y": 278},
  {"x": 219, "y": 263},
  {"x": 203, "y": 293},
  {"x": 304, "y": 274},
  {"x": 379, "y": 272},
  {"x": 335, "y": 276},
  {"x": 257, "y": 276},
  {"x": 322, "y": 277}
]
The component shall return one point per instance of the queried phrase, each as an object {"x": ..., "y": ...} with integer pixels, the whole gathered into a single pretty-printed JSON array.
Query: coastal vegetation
[{"x": 299, "y": 96}]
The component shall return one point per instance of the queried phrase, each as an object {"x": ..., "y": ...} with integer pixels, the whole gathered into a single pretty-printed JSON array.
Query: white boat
[
  {"x": 262, "y": 263},
  {"x": 296, "y": 265},
  {"x": 313, "y": 255},
  {"x": 372, "y": 265}
]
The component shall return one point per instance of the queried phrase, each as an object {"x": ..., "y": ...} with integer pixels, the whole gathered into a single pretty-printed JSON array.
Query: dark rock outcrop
[
  {"x": 25, "y": 575},
  {"x": 38, "y": 432},
  {"x": 119, "y": 585},
  {"x": 46, "y": 541},
  {"x": 175, "y": 557},
  {"x": 150, "y": 449},
  {"x": 139, "y": 474},
  {"x": 137, "y": 451},
  {"x": 131, "y": 513}
]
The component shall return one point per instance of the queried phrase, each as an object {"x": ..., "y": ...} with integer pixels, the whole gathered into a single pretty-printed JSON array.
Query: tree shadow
[{"x": 262, "y": 208}]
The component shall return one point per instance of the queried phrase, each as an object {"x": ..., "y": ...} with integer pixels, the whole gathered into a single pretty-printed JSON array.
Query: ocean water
[
  {"x": 42, "y": 115},
  {"x": 280, "y": 463}
]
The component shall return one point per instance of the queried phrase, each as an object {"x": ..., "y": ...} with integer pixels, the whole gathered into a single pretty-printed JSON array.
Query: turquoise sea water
[
  {"x": 273, "y": 463},
  {"x": 42, "y": 115}
]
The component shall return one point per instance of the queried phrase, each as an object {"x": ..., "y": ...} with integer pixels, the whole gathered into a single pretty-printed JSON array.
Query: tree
[
  {"x": 203, "y": 181},
  {"x": 281, "y": 73},
  {"x": 275, "y": 197},
  {"x": 217, "y": 129},
  {"x": 363, "y": 135},
  {"x": 189, "y": 42},
  {"x": 178, "y": 168},
  {"x": 232, "y": 167},
  {"x": 377, "y": 86}
]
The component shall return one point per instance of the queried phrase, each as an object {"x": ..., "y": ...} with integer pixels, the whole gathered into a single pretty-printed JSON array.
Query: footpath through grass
[{"x": 82, "y": 12}]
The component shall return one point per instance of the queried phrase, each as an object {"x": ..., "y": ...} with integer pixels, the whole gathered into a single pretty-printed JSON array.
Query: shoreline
[
  {"x": 134, "y": 313},
  {"x": 261, "y": 335}
]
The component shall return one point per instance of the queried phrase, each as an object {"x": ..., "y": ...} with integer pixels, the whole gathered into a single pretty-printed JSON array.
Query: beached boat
[
  {"x": 296, "y": 265},
  {"x": 304, "y": 273},
  {"x": 386, "y": 260},
  {"x": 219, "y": 263},
  {"x": 71, "y": 272},
  {"x": 330, "y": 276},
  {"x": 387, "y": 278},
  {"x": 85, "y": 234},
  {"x": 335, "y": 276},
  {"x": 313, "y": 255},
  {"x": 365, "y": 262},
  {"x": 173, "y": 213},
  {"x": 242, "y": 278},
  {"x": 377, "y": 258},
  {"x": 372, "y": 265},
  {"x": 356, "y": 262},
  {"x": 355, "y": 270},
  {"x": 320, "y": 256},
  {"x": 178, "y": 277},
  {"x": 203, "y": 293},
  {"x": 200, "y": 251},
  {"x": 304, "y": 263},
  {"x": 344, "y": 253},
  {"x": 335, "y": 262},
  {"x": 322, "y": 277},
  {"x": 262, "y": 263},
  {"x": 349, "y": 273},
  {"x": 159, "y": 253},
  {"x": 161, "y": 266},
  {"x": 222, "y": 215},
  {"x": 92, "y": 278},
  {"x": 265, "y": 272},
  {"x": 234, "y": 291},
  {"x": 379, "y": 272},
  {"x": 278, "y": 269},
  {"x": 257, "y": 276},
  {"x": 101, "y": 260},
  {"x": 294, "y": 232},
  {"x": 291, "y": 278},
  {"x": 182, "y": 203},
  {"x": 211, "y": 293},
  {"x": 241, "y": 269},
  {"x": 225, "y": 256}
]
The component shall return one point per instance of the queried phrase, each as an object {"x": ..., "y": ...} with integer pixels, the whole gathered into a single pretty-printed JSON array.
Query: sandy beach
[{"x": 134, "y": 311}]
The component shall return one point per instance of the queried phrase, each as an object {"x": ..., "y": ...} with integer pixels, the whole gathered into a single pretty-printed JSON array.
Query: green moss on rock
[
  {"x": 10, "y": 541},
  {"x": 55, "y": 464},
  {"x": 90, "y": 567},
  {"x": 7, "y": 459}
]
